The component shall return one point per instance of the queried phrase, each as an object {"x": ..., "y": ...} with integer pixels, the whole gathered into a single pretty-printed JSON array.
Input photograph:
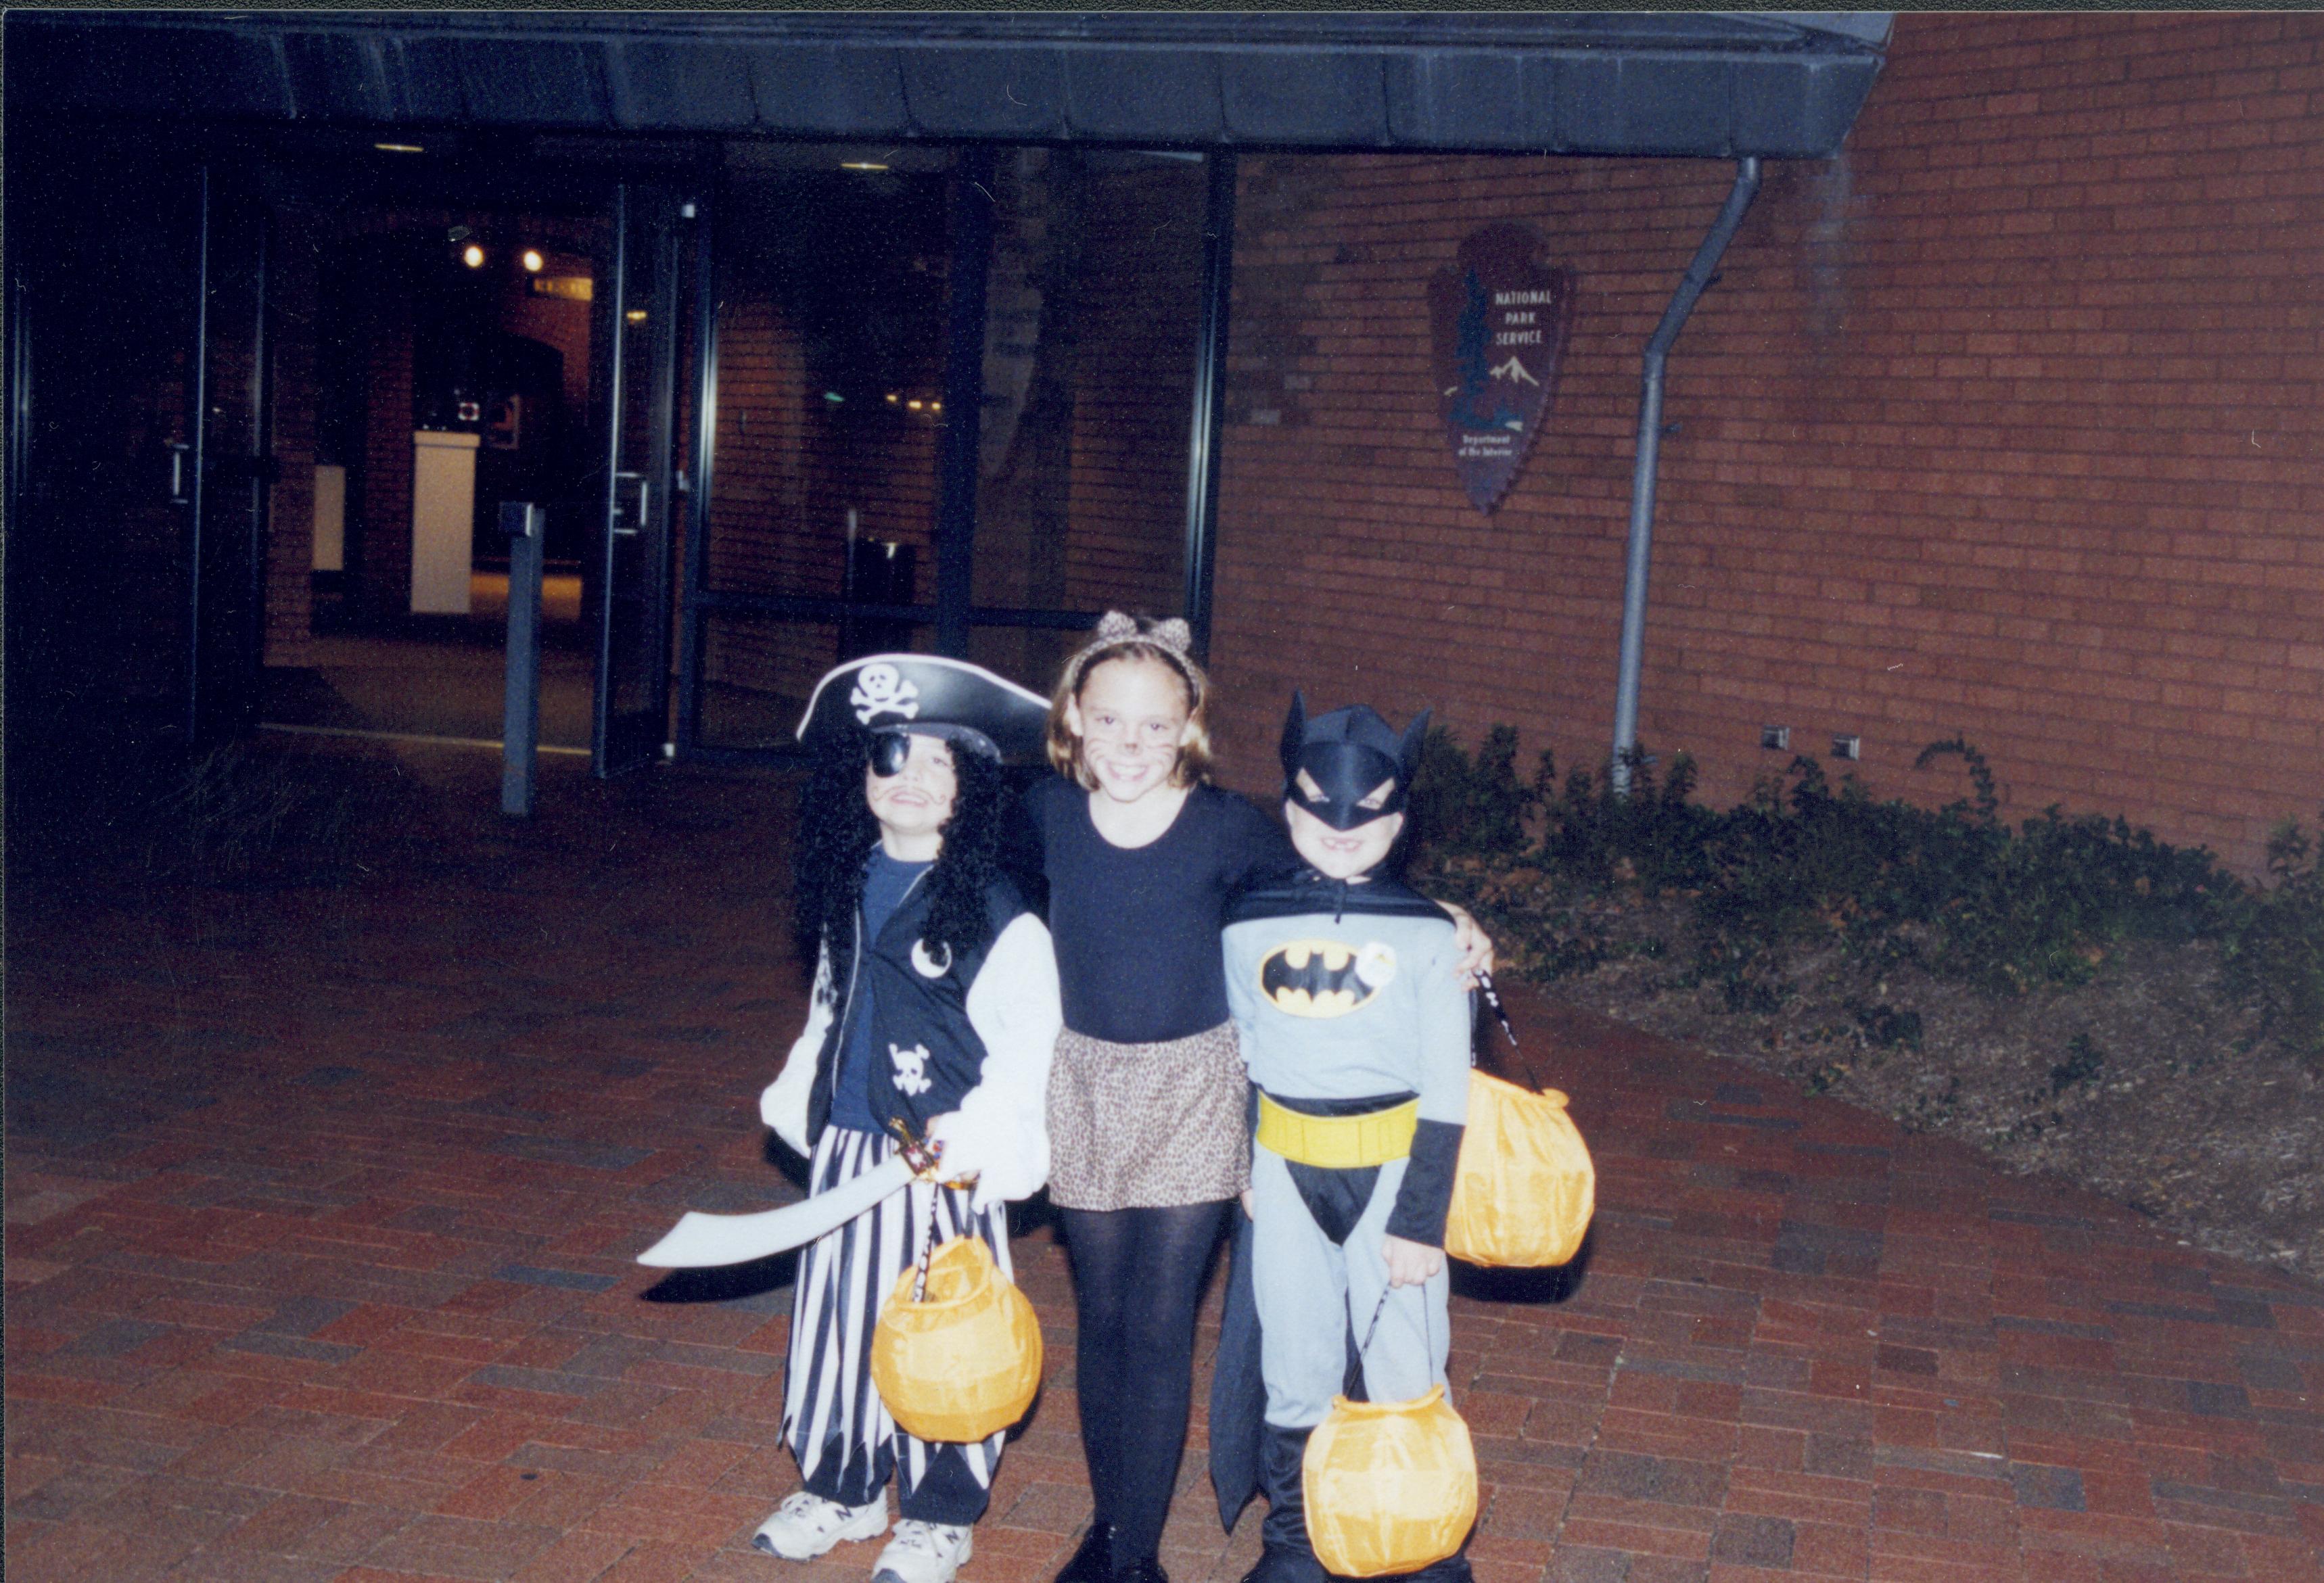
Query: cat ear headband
[{"x": 1116, "y": 630}]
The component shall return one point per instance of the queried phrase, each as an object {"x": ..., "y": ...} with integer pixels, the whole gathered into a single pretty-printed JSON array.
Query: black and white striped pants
[{"x": 833, "y": 1418}]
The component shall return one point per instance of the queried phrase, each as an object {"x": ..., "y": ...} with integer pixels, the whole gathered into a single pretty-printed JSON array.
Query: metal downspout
[{"x": 1698, "y": 279}]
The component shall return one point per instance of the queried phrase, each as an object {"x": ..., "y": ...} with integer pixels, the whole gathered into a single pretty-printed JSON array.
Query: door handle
[
  {"x": 645, "y": 498},
  {"x": 178, "y": 451}
]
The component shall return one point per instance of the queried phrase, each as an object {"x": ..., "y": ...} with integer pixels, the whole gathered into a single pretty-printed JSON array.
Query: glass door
[
  {"x": 105, "y": 272},
  {"x": 964, "y": 404},
  {"x": 1092, "y": 374},
  {"x": 818, "y": 534},
  {"x": 638, "y": 341}
]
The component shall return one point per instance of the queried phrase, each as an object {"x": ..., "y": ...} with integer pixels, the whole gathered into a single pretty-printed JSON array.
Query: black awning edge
[{"x": 1700, "y": 84}]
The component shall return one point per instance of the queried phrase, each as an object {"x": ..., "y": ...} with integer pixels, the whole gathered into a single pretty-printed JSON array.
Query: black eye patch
[{"x": 887, "y": 751}]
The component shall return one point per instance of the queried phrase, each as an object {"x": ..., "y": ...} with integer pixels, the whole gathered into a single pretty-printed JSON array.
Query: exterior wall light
[
  {"x": 472, "y": 256},
  {"x": 533, "y": 260}
]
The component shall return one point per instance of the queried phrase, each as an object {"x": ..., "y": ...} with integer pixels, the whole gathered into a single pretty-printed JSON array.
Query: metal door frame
[{"x": 610, "y": 755}]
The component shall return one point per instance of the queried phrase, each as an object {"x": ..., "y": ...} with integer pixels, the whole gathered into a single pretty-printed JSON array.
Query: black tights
[{"x": 1138, "y": 1278}]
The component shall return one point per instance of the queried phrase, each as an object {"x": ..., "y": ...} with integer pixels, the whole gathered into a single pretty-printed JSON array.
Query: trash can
[{"x": 878, "y": 571}]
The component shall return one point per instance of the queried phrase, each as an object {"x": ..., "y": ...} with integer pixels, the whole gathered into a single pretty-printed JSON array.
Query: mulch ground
[
  {"x": 2145, "y": 1084},
  {"x": 327, "y": 1168}
]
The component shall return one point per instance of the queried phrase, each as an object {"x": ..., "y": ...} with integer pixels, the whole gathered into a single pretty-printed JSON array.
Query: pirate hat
[
  {"x": 1344, "y": 755},
  {"x": 964, "y": 703}
]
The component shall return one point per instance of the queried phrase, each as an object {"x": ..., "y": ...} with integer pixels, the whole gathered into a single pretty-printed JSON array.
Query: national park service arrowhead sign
[{"x": 1499, "y": 317}]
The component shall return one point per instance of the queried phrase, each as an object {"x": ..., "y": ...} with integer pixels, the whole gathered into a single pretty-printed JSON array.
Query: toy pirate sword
[{"x": 700, "y": 1241}]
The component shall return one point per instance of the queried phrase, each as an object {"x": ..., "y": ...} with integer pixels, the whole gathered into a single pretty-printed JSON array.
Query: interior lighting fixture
[
  {"x": 893, "y": 397},
  {"x": 914, "y": 403},
  {"x": 936, "y": 406},
  {"x": 533, "y": 260},
  {"x": 636, "y": 316},
  {"x": 472, "y": 256},
  {"x": 862, "y": 165},
  {"x": 399, "y": 148}
]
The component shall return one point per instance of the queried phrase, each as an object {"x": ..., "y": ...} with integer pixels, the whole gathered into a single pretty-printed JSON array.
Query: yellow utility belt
[{"x": 1338, "y": 1143}]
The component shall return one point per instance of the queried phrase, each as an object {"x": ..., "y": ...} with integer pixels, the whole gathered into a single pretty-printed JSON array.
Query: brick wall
[
  {"x": 379, "y": 485},
  {"x": 2003, "y": 424},
  {"x": 291, "y": 508}
]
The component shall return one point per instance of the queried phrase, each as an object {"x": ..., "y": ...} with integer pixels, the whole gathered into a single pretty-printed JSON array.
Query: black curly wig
[{"x": 837, "y": 832}]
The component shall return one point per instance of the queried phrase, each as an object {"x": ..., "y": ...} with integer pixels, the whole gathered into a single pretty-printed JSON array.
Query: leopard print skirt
[{"x": 1148, "y": 1126}]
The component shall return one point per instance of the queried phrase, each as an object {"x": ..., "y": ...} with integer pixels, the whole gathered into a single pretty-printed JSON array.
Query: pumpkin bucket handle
[
  {"x": 927, "y": 1252},
  {"x": 1356, "y": 1364},
  {"x": 1501, "y": 1014}
]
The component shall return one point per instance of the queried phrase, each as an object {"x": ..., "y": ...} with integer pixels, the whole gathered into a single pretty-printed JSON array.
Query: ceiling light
[
  {"x": 893, "y": 397},
  {"x": 862, "y": 165},
  {"x": 913, "y": 403},
  {"x": 636, "y": 316},
  {"x": 472, "y": 256},
  {"x": 399, "y": 148},
  {"x": 533, "y": 260}
]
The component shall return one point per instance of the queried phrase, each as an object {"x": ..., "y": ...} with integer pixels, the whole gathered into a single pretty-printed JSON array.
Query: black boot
[
  {"x": 1093, "y": 1562},
  {"x": 1288, "y": 1558},
  {"x": 1453, "y": 1568}
]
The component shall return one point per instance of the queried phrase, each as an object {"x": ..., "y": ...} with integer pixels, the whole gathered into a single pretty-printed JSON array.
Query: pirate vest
[{"x": 925, "y": 1054}]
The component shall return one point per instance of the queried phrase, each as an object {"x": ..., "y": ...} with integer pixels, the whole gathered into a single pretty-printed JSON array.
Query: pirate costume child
[
  {"x": 935, "y": 1013},
  {"x": 1350, "y": 1015}
]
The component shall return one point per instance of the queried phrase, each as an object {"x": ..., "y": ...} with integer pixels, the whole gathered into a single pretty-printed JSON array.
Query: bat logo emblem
[{"x": 1323, "y": 977}]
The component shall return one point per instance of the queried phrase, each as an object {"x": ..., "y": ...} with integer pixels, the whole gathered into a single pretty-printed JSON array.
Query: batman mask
[{"x": 1334, "y": 763}]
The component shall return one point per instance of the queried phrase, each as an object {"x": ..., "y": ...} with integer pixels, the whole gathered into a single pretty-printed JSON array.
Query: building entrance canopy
[
  {"x": 1706, "y": 85},
  {"x": 1028, "y": 119}
]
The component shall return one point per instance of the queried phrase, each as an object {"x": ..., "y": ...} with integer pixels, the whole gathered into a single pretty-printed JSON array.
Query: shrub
[
  {"x": 1461, "y": 805},
  {"x": 2275, "y": 951},
  {"x": 1801, "y": 865}
]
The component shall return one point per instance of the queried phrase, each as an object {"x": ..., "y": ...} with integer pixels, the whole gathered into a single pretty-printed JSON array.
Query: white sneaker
[
  {"x": 922, "y": 1552},
  {"x": 806, "y": 1525}
]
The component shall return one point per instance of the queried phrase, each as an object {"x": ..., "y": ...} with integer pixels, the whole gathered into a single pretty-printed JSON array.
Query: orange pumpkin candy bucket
[
  {"x": 1525, "y": 1188},
  {"x": 960, "y": 1360},
  {"x": 1390, "y": 1487}
]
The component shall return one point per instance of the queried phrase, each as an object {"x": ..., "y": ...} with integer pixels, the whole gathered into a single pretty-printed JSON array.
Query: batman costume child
[{"x": 1342, "y": 985}]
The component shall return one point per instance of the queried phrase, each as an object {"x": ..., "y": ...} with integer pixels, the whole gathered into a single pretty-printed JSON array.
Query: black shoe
[
  {"x": 1280, "y": 1565},
  {"x": 1146, "y": 1570},
  {"x": 1093, "y": 1562}
]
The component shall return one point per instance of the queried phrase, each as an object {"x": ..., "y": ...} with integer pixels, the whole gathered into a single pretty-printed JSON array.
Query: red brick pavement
[{"x": 323, "y": 1185}]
